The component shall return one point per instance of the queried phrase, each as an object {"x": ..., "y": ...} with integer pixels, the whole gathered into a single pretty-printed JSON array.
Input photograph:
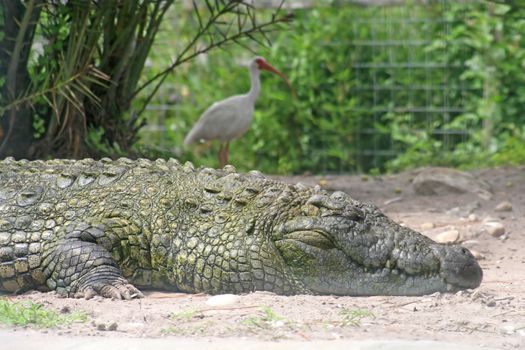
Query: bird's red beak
[{"x": 262, "y": 64}]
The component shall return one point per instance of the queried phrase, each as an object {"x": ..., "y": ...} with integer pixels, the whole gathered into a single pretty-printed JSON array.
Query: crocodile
[{"x": 115, "y": 227}]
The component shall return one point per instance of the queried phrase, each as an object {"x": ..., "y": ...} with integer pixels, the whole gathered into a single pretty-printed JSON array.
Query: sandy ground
[{"x": 492, "y": 315}]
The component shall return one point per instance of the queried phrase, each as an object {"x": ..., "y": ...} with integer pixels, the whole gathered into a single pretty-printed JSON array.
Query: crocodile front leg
[{"x": 77, "y": 265}]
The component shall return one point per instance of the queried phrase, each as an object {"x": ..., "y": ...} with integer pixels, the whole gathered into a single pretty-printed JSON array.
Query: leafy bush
[
  {"x": 343, "y": 117},
  {"x": 309, "y": 132},
  {"x": 489, "y": 39}
]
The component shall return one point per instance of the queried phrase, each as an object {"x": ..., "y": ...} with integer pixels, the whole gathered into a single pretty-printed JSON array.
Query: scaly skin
[{"x": 85, "y": 228}]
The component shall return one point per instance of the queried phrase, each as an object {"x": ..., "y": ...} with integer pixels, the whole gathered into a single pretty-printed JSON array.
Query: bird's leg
[
  {"x": 222, "y": 161},
  {"x": 226, "y": 153},
  {"x": 223, "y": 154}
]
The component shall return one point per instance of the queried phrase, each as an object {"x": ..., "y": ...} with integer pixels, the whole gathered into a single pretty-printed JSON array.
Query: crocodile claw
[{"x": 118, "y": 290}]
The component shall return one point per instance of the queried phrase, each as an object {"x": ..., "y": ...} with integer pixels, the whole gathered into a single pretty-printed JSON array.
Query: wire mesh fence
[
  {"x": 395, "y": 52},
  {"x": 399, "y": 74}
]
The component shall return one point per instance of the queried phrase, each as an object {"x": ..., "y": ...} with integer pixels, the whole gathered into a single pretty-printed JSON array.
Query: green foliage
[
  {"x": 511, "y": 151},
  {"x": 341, "y": 113},
  {"x": 354, "y": 317},
  {"x": 491, "y": 38},
  {"x": 95, "y": 140},
  {"x": 268, "y": 319},
  {"x": 288, "y": 133},
  {"x": 184, "y": 315},
  {"x": 79, "y": 87},
  {"x": 35, "y": 315}
]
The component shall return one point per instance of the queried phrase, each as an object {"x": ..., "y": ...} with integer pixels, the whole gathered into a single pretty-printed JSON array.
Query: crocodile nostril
[
  {"x": 357, "y": 215},
  {"x": 338, "y": 196}
]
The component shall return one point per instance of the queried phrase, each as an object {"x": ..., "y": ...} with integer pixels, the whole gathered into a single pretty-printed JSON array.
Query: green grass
[
  {"x": 27, "y": 313},
  {"x": 184, "y": 315},
  {"x": 353, "y": 317},
  {"x": 268, "y": 319}
]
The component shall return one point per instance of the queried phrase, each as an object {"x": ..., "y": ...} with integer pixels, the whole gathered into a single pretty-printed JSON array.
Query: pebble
[
  {"x": 490, "y": 219},
  {"x": 473, "y": 218},
  {"x": 504, "y": 206},
  {"x": 223, "y": 300},
  {"x": 477, "y": 255},
  {"x": 491, "y": 303},
  {"x": 450, "y": 236},
  {"x": 495, "y": 229},
  {"x": 428, "y": 225}
]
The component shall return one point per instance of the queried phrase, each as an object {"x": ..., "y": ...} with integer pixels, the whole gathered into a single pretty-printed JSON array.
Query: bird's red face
[
  {"x": 260, "y": 63},
  {"x": 263, "y": 65}
]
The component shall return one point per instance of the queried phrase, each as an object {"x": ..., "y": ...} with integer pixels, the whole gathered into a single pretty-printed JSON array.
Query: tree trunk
[{"x": 19, "y": 22}]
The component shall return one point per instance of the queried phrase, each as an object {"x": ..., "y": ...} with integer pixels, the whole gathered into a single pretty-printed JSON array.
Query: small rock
[
  {"x": 504, "y": 206},
  {"x": 428, "y": 225},
  {"x": 450, "y": 236},
  {"x": 477, "y": 255},
  {"x": 495, "y": 229},
  {"x": 223, "y": 300},
  {"x": 504, "y": 236},
  {"x": 113, "y": 326},
  {"x": 491, "y": 303},
  {"x": 473, "y": 218},
  {"x": 65, "y": 310},
  {"x": 490, "y": 219},
  {"x": 101, "y": 327}
]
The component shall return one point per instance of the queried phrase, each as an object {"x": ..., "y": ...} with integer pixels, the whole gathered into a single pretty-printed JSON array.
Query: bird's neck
[{"x": 256, "y": 84}]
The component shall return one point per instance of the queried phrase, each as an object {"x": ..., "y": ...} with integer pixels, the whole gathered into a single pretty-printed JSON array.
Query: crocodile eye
[
  {"x": 355, "y": 214},
  {"x": 309, "y": 210},
  {"x": 311, "y": 238}
]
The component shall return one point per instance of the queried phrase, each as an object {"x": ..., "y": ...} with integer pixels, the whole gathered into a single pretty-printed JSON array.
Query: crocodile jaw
[
  {"x": 330, "y": 271},
  {"x": 362, "y": 252}
]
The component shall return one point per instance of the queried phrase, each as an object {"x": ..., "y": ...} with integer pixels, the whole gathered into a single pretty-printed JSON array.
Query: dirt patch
[{"x": 492, "y": 315}]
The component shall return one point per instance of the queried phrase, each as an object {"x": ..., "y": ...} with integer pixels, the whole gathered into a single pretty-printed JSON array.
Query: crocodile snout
[{"x": 459, "y": 267}]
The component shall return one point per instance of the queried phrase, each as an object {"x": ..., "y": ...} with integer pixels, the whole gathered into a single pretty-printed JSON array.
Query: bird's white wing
[{"x": 224, "y": 120}]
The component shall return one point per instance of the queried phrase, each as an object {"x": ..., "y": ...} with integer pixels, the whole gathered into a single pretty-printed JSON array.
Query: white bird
[{"x": 229, "y": 119}]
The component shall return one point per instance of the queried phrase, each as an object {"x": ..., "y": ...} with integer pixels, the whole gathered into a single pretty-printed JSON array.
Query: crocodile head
[{"x": 336, "y": 245}]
